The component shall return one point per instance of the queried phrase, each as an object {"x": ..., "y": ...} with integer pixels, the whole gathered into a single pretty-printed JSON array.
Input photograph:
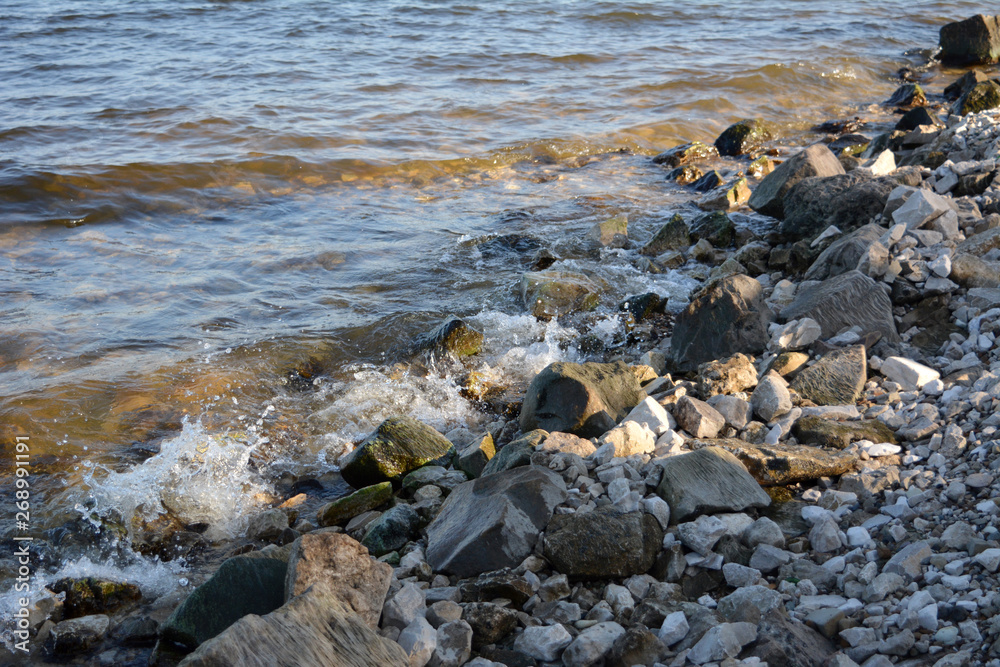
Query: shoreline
[{"x": 680, "y": 403}]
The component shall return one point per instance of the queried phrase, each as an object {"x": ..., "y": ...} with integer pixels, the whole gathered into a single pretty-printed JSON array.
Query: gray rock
[
  {"x": 444, "y": 611},
  {"x": 698, "y": 418},
  {"x": 77, "y": 634},
  {"x": 782, "y": 641},
  {"x": 515, "y": 454},
  {"x": 909, "y": 560},
  {"x": 825, "y": 536},
  {"x": 739, "y": 576},
  {"x": 341, "y": 564},
  {"x": 734, "y": 410},
  {"x": 764, "y": 531},
  {"x": 726, "y": 317},
  {"x": 493, "y": 522},
  {"x": 816, "y": 160},
  {"x": 418, "y": 640},
  {"x": 701, "y": 534},
  {"x": 770, "y": 399},
  {"x": 836, "y": 379},
  {"x": 767, "y": 558},
  {"x": 844, "y": 301},
  {"x": 763, "y": 598},
  {"x": 844, "y": 254},
  {"x": 312, "y": 630},
  {"x": 707, "y": 481},
  {"x": 543, "y": 642},
  {"x": 582, "y": 399},
  {"x": 847, "y": 201},
  {"x": 392, "y": 530},
  {"x": 402, "y": 608},
  {"x": 591, "y": 645},
  {"x": 974, "y": 41},
  {"x": 490, "y": 623},
  {"x": 454, "y": 645},
  {"x": 603, "y": 543},
  {"x": 675, "y": 628},
  {"x": 476, "y": 455},
  {"x": 723, "y": 641}
]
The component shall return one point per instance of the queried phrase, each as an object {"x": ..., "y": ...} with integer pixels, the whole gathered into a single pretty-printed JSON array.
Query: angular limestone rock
[
  {"x": 844, "y": 254},
  {"x": 493, "y": 522},
  {"x": 707, "y": 481},
  {"x": 603, "y": 543},
  {"x": 778, "y": 465},
  {"x": 698, "y": 418},
  {"x": 908, "y": 373},
  {"x": 726, "y": 376},
  {"x": 844, "y": 301},
  {"x": 838, "y": 378},
  {"x": 816, "y": 160},
  {"x": 582, "y": 399}
]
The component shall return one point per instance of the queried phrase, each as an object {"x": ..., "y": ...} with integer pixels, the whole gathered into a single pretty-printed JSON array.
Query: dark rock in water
[
  {"x": 493, "y": 522},
  {"x": 490, "y": 623},
  {"x": 361, "y": 501},
  {"x": 782, "y": 464},
  {"x": 745, "y": 136},
  {"x": 603, "y": 543},
  {"x": 91, "y": 595},
  {"x": 453, "y": 337},
  {"x": 849, "y": 144},
  {"x": 612, "y": 233},
  {"x": 844, "y": 254},
  {"x": 509, "y": 243},
  {"x": 137, "y": 631},
  {"x": 848, "y": 201},
  {"x": 839, "y": 126},
  {"x": 582, "y": 399},
  {"x": 908, "y": 95},
  {"x": 638, "y": 646},
  {"x": 685, "y": 175},
  {"x": 726, "y": 317},
  {"x": 77, "y": 634},
  {"x": 685, "y": 153},
  {"x": 974, "y": 41},
  {"x": 312, "y": 630},
  {"x": 760, "y": 167},
  {"x": 981, "y": 97},
  {"x": 392, "y": 530},
  {"x": 816, "y": 160},
  {"x": 242, "y": 585},
  {"x": 709, "y": 181},
  {"x": 964, "y": 84},
  {"x": 840, "y": 435},
  {"x": 515, "y": 454},
  {"x": 838, "y": 378},
  {"x": 708, "y": 481},
  {"x": 783, "y": 641},
  {"x": 643, "y": 306},
  {"x": 398, "y": 445},
  {"x": 551, "y": 293},
  {"x": 674, "y": 235},
  {"x": 914, "y": 118},
  {"x": 844, "y": 301},
  {"x": 717, "y": 228}
]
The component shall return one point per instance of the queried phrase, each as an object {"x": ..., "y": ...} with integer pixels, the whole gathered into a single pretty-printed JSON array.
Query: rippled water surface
[{"x": 199, "y": 200}]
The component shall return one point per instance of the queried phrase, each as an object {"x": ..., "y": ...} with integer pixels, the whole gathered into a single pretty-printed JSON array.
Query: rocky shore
[{"x": 801, "y": 472}]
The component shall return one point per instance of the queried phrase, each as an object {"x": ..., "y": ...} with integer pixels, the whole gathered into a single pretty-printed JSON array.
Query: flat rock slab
[
  {"x": 361, "y": 501},
  {"x": 603, "y": 543},
  {"x": 493, "y": 522},
  {"x": 583, "y": 399},
  {"x": 398, "y": 445},
  {"x": 816, "y": 160},
  {"x": 313, "y": 630},
  {"x": 779, "y": 465},
  {"x": 838, "y": 378},
  {"x": 844, "y": 301},
  {"x": 821, "y": 432},
  {"x": 708, "y": 481}
]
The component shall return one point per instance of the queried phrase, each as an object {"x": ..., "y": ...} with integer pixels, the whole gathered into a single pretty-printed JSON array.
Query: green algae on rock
[
  {"x": 91, "y": 595},
  {"x": 742, "y": 137},
  {"x": 981, "y": 97},
  {"x": 453, "y": 337},
  {"x": 685, "y": 153},
  {"x": 348, "y": 507},
  {"x": 782, "y": 464},
  {"x": 398, "y": 445},
  {"x": 548, "y": 294},
  {"x": 673, "y": 235}
]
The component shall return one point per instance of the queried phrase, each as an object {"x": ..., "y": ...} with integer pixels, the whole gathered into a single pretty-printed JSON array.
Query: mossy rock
[
  {"x": 981, "y": 97},
  {"x": 398, "y": 445},
  {"x": 908, "y": 95},
  {"x": 685, "y": 153},
  {"x": 674, "y": 235},
  {"x": 453, "y": 337},
  {"x": 91, "y": 595},
  {"x": 361, "y": 501},
  {"x": 745, "y": 136},
  {"x": 840, "y": 435},
  {"x": 715, "y": 227},
  {"x": 391, "y": 531},
  {"x": 760, "y": 167},
  {"x": 684, "y": 175},
  {"x": 613, "y": 232}
]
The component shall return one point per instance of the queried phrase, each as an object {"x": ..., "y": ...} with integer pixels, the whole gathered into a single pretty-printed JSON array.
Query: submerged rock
[
  {"x": 706, "y": 481},
  {"x": 603, "y": 543},
  {"x": 548, "y": 294},
  {"x": 583, "y": 399},
  {"x": 493, "y": 522},
  {"x": 453, "y": 337},
  {"x": 91, "y": 595},
  {"x": 974, "y": 41},
  {"x": 816, "y": 160},
  {"x": 674, "y": 235},
  {"x": 908, "y": 95},
  {"x": 685, "y": 153},
  {"x": 398, "y": 445},
  {"x": 745, "y": 136},
  {"x": 981, "y": 97},
  {"x": 77, "y": 634}
]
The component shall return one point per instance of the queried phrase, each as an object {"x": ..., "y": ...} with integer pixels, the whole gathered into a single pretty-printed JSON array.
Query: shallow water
[{"x": 198, "y": 198}]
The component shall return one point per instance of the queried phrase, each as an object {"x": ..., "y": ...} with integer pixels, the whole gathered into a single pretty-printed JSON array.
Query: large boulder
[
  {"x": 974, "y": 41},
  {"x": 780, "y": 465},
  {"x": 340, "y": 564},
  {"x": 707, "y": 481},
  {"x": 838, "y": 378},
  {"x": 493, "y": 522},
  {"x": 582, "y": 399},
  {"x": 811, "y": 430},
  {"x": 745, "y": 136},
  {"x": 844, "y": 301},
  {"x": 398, "y": 445},
  {"x": 552, "y": 293},
  {"x": 242, "y": 585},
  {"x": 844, "y": 254},
  {"x": 847, "y": 201},
  {"x": 604, "y": 543},
  {"x": 314, "y": 629},
  {"x": 728, "y": 316},
  {"x": 816, "y": 160},
  {"x": 981, "y": 97}
]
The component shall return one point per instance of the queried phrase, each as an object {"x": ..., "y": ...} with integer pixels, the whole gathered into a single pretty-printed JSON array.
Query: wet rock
[
  {"x": 964, "y": 83},
  {"x": 726, "y": 197},
  {"x": 698, "y": 418},
  {"x": 974, "y": 41},
  {"x": 241, "y": 586},
  {"x": 493, "y": 522},
  {"x": 848, "y": 300},
  {"x": 361, "y": 501},
  {"x": 908, "y": 95},
  {"x": 717, "y": 228},
  {"x": 453, "y": 337},
  {"x": 685, "y": 153},
  {"x": 709, "y": 181},
  {"x": 591, "y": 645},
  {"x": 844, "y": 254},
  {"x": 643, "y": 306},
  {"x": 77, "y": 634},
  {"x": 811, "y": 430},
  {"x": 516, "y": 453},
  {"x": 816, "y": 160},
  {"x": 707, "y": 481},
  {"x": 685, "y": 175},
  {"x": 474, "y": 457},
  {"x": 727, "y": 317},
  {"x": 490, "y": 623},
  {"x": 603, "y": 543},
  {"x": 582, "y": 399},
  {"x": 392, "y": 530},
  {"x": 398, "y": 445},
  {"x": 726, "y": 376},
  {"x": 610, "y": 233},
  {"x": 268, "y": 525},
  {"x": 548, "y": 294},
  {"x": 312, "y": 630},
  {"x": 90, "y": 595},
  {"x": 783, "y": 464},
  {"x": 745, "y": 136},
  {"x": 342, "y": 565},
  {"x": 838, "y": 378},
  {"x": 783, "y": 641}
]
